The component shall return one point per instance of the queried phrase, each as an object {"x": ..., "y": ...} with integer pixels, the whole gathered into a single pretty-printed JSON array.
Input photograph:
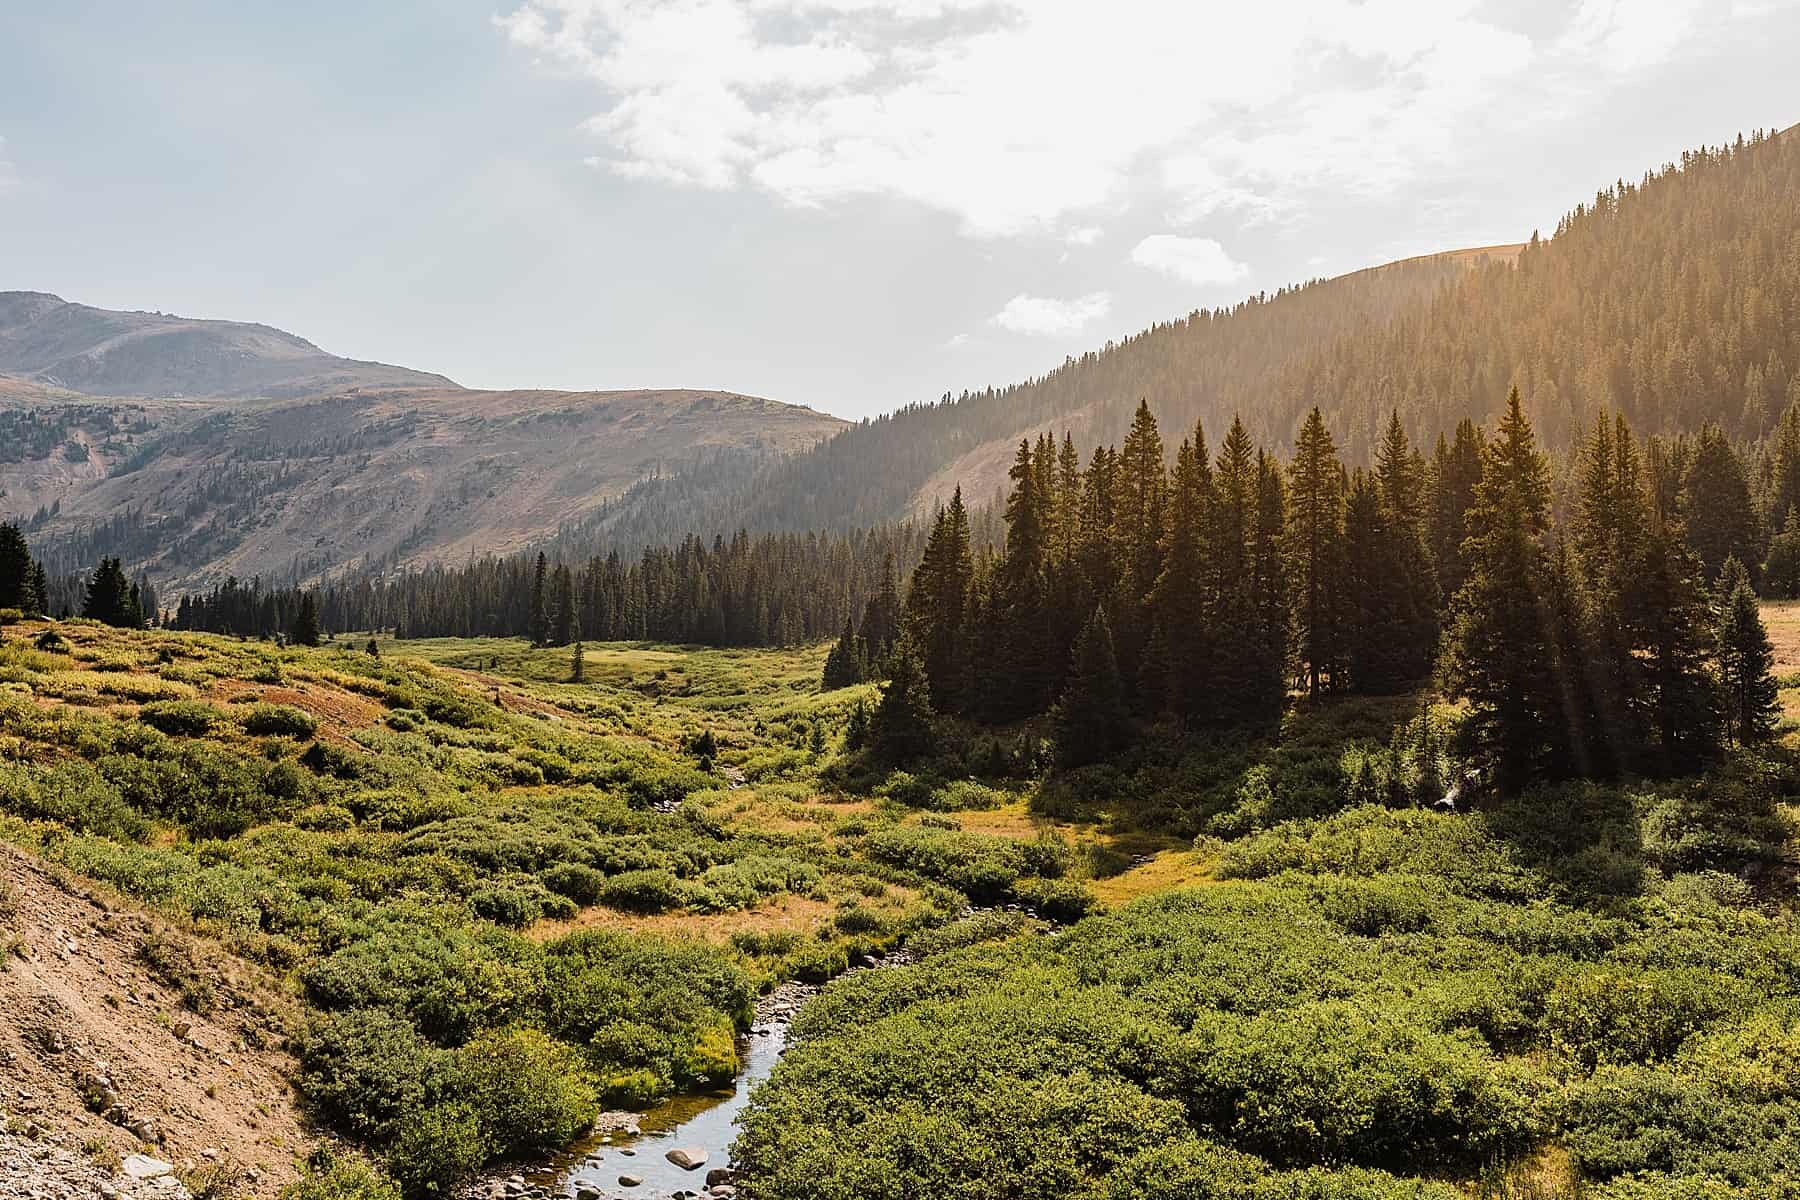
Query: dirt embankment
[{"x": 122, "y": 1036}]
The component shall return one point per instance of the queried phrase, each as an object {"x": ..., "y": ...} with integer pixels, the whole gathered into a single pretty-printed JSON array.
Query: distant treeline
[{"x": 771, "y": 589}]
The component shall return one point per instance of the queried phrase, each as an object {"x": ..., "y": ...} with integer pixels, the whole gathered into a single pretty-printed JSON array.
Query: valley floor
[{"x": 478, "y": 901}]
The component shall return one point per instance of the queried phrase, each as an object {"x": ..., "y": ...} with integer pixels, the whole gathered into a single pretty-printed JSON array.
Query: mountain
[
  {"x": 1672, "y": 300},
  {"x": 373, "y": 478},
  {"x": 1204, "y": 366},
  {"x": 46, "y": 340},
  {"x": 198, "y": 450}
]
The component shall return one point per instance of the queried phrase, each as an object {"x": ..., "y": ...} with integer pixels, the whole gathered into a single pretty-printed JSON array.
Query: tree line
[
  {"x": 770, "y": 589},
  {"x": 108, "y": 594},
  {"x": 1128, "y": 595}
]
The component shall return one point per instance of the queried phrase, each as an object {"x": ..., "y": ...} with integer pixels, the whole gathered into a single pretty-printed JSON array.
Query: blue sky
[{"x": 851, "y": 204}]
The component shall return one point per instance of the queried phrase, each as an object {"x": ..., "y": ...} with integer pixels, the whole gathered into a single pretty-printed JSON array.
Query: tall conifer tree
[
  {"x": 1315, "y": 533},
  {"x": 1746, "y": 660}
]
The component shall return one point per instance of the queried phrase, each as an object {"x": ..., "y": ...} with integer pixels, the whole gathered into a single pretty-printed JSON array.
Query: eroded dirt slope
[{"x": 121, "y": 1036}]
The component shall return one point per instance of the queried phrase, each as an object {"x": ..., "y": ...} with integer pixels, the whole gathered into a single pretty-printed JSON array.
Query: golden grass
[
  {"x": 1169, "y": 870},
  {"x": 795, "y": 914},
  {"x": 1783, "y": 620}
]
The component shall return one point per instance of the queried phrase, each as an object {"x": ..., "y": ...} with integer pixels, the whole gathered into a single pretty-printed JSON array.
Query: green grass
[
  {"x": 469, "y": 868},
  {"x": 474, "y": 872}
]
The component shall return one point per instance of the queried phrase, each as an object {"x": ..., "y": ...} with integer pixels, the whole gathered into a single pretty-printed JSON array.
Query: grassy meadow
[{"x": 506, "y": 899}]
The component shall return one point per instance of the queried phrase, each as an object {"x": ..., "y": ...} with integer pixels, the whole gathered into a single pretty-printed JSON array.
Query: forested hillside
[
  {"x": 1670, "y": 300},
  {"x": 1207, "y": 363}
]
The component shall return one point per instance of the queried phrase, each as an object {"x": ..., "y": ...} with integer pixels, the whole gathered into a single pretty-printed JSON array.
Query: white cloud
[
  {"x": 1084, "y": 235},
  {"x": 1047, "y": 117},
  {"x": 1042, "y": 316},
  {"x": 9, "y": 176},
  {"x": 1626, "y": 35},
  {"x": 1196, "y": 260}
]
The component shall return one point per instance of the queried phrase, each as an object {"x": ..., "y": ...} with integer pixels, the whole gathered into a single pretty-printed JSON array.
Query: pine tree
[
  {"x": 15, "y": 570},
  {"x": 1498, "y": 653},
  {"x": 1185, "y": 595},
  {"x": 856, "y": 727},
  {"x": 564, "y": 621},
  {"x": 881, "y": 619},
  {"x": 1746, "y": 660},
  {"x": 1265, "y": 691},
  {"x": 109, "y": 596},
  {"x": 1090, "y": 719},
  {"x": 539, "y": 629},
  {"x": 1377, "y": 634},
  {"x": 900, "y": 730},
  {"x": 936, "y": 607},
  {"x": 1412, "y": 583},
  {"x": 1685, "y": 703},
  {"x": 305, "y": 629},
  {"x": 1018, "y": 625},
  {"x": 1455, "y": 472},
  {"x": 1716, "y": 512},
  {"x": 1781, "y": 570},
  {"x": 842, "y": 668},
  {"x": 1315, "y": 533},
  {"x": 1138, "y": 516},
  {"x": 578, "y": 665},
  {"x": 1784, "y": 483},
  {"x": 37, "y": 595},
  {"x": 1613, "y": 511}
]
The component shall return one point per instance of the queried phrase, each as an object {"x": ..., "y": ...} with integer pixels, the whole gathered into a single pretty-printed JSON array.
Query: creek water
[{"x": 706, "y": 1121}]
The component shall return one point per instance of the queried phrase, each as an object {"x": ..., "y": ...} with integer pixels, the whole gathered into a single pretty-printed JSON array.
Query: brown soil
[{"x": 82, "y": 1014}]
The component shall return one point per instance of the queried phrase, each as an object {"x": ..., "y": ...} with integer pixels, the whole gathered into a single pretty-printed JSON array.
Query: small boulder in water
[{"x": 688, "y": 1158}]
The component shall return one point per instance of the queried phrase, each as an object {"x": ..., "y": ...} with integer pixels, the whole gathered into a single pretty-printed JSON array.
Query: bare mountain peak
[{"x": 108, "y": 352}]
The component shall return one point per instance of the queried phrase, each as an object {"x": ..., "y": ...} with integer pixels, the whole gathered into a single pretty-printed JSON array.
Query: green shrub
[
  {"x": 516, "y": 900},
  {"x": 577, "y": 881},
  {"x": 436, "y": 1148},
  {"x": 644, "y": 892},
  {"x": 277, "y": 720},
  {"x": 531, "y": 1093},
  {"x": 323, "y": 758},
  {"x": 1062, "y": 900},
  {"x": 365, "y": 1070},
  {"x": 1608, "y": 1014},
  {"x": 325, "y": 818},
  {"x": 331, "y": 1174},
  {"x": 74, "y": 795},
  {"x": 182, "y": 718},
  {"x": 818, "y": 962}
]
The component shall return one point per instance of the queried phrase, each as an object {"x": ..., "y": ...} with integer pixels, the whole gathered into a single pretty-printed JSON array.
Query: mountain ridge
[{"x": 110, "y": 352}]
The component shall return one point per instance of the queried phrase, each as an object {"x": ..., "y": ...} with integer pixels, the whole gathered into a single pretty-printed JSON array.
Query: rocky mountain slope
[
  {"x": 198, "y": 450},
  {"x": 47, "y": 340},
  {"x": 372, "y": 478},
  {"x": 114, "y": 1080}
]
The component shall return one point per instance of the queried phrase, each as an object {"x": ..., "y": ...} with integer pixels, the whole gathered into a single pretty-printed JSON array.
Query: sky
[{"x": 850, "y": 204}]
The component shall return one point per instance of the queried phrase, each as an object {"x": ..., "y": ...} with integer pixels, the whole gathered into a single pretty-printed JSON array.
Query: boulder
[
  {"x": 629, "y": 1181},
  {"x": 719, "y": 1175},
  {"x": 141, "y": 1167},
  {"x": 688, "y": 1158}
]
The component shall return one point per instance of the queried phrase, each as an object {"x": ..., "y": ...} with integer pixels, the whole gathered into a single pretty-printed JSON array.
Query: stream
[{"x": 637, "y": 1146}]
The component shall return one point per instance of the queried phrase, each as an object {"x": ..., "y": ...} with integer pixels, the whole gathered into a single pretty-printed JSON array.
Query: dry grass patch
[
  {"x": 1168, "y": 871},
  {"x": 785, "y": 914}
]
